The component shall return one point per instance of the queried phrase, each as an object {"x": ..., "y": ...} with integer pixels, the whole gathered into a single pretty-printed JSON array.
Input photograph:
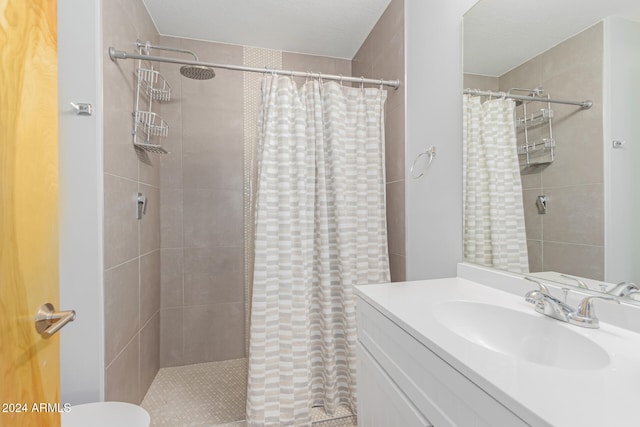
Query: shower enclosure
[
  {"x": 206, "y": 212},
  {"x": 195, "y": 239}
]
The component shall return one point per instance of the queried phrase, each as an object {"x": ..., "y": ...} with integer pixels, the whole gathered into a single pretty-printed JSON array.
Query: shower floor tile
[
  {"x": 201, "y": 395},
  {"x": 212, "y": 395}
]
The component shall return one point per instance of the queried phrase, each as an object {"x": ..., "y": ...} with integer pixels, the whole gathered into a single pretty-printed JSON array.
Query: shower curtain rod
[
  {"x": 475, "y": 92},
  {"x": 120, "y": 54}
]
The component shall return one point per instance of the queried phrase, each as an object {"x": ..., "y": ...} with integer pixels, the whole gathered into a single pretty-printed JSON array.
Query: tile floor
[{"x": 212, "y": 395}]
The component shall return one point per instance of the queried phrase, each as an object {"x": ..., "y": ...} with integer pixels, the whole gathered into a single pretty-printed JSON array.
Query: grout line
[{"x": 121, "y": 264}]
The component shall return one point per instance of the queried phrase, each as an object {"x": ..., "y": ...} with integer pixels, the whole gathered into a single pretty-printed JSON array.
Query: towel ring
[{"x": 431, "y": 152}]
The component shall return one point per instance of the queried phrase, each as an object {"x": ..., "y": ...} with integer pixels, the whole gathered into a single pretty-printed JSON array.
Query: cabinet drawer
[
  {"x": 381, "y": 403},
  {"x": 441, "y": 393}
]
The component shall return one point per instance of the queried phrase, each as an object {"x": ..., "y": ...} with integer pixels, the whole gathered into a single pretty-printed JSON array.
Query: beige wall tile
[
  {"x": 149, "y": 353},
  {"x": 397, "y": 265},
  {"x": 171, "y": 332},
  {"x": 150, "y": 222},
  {"x": 171, "y": 231},
  {"x": 577, "y": 260},
  {"x": 575, "y": 214},
  {"x": 396, "y": 218},
  {"x": 121, "y": 307},
  {"x": 214, "y": 161},
  {"x": 122, "y": 376},
  {"x": 214, "y": 275},
  {"x": 394, "y": 143},
  {"x": 532, "y": 219},
  {"x": 213, "y": 332},
  {"x": 172, "y": 269},
  {"x": 171, "y": 167},
  {"x": 574, "y": 53},
  {"x": 149, "y": 167},
  {"x": 534, "y": 251},
  {"x": 149, "y": 286},
  {"x": 213, "y": 218},
  {"x": 120, "y": 224}
]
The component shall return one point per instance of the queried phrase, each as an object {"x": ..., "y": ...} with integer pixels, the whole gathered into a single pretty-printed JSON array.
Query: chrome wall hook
[{"x": 431, "y": 153}]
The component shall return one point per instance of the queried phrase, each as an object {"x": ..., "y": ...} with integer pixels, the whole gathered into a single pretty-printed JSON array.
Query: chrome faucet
[
  {"x": 547, "y": 304},
  {"x": 584, "y": 316},
  {"x": 581, "y": 284},
  {"x": 623, "y": 289}
]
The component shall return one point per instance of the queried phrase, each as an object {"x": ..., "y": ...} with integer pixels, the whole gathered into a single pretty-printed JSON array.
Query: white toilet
[{"x": 106, "y": 414}]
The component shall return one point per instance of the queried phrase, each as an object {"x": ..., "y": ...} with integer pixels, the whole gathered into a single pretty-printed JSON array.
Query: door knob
[{"x": 49, "y": 321}]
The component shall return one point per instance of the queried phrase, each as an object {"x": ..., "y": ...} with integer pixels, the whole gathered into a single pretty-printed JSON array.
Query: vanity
[{"x": 470, "y": 351}]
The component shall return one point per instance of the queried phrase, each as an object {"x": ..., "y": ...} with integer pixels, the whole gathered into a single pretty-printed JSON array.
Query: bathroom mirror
[{"x": 578, "y": 202}]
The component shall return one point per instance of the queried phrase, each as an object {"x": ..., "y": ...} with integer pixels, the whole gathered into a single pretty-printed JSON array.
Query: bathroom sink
[{"x": 530, "y": 337}]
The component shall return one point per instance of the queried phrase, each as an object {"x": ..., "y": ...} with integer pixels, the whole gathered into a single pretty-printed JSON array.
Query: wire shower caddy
[
  {"x": 536, "y": 151},
  {"x": 148, "y": 124}
]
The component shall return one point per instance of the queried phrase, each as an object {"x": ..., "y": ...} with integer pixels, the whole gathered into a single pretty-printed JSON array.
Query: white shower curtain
[
  {"x": 320, "y": 230},
  {"x": 494, "y": 228}
]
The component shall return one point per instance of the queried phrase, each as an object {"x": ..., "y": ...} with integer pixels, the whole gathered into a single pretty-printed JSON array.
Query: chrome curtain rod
[
  {"x": 120, "y": 54},
  {"x": 475, "y": 92}
]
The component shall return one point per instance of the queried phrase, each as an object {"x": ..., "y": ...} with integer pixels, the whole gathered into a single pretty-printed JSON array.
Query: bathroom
[{"x": 144, "y": 289}]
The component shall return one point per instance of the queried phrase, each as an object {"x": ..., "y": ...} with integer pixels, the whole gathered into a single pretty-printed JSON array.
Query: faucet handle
[
  {"x": 623, "y": 289},
  {"x": 585, "y": 315},
  {"x": 581, "y": 283},
  {"x": 542, "y": 286},
  {"x": 532, "y": 296}
]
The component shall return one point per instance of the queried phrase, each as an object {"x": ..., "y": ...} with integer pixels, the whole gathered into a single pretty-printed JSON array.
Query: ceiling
[
  {"x": 499, "y": 35},
  {"x": 335, "y": 28}
]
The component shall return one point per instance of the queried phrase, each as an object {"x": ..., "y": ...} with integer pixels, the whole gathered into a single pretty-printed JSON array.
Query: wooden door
[{"x": 29, "y": 364}]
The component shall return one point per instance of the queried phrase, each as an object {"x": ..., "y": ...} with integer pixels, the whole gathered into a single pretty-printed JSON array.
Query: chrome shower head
[{"x": 197, "y": 72}]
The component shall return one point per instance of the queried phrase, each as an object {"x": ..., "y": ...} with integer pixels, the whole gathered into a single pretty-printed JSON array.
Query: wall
[
  {"x": 204, "y": 186},
  {"x": 433, "y": 61},
  {"x": 201, "y": 219},
  {"x": 80, "y": 200},
  {"x": 476, "y": 81},
  {"x": 382, "y": 56},
  {"x": 131, "y": 246},
  {"x": 622, "y": 230},
  {"x": 570, "y": 236}
]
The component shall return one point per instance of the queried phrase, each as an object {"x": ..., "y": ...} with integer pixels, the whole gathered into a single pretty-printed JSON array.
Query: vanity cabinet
[{"x": 402, "y": 382}]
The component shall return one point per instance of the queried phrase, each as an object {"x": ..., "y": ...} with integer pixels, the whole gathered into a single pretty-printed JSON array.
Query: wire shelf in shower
[
  {"x": 539, "y": 117},
  {"x": 153, "y": 84},
  {"x": 151, "y": 124},
  {"x": 152, "y": 148},
  {"x": 540, "y": 146}
]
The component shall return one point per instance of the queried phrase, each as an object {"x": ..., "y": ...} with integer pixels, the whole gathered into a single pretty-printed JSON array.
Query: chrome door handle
[{"x": 49, "y": 321}]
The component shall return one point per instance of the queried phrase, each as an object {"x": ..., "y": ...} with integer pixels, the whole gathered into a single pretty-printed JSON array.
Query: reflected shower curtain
[
  {"x": 320, "y": 230},
  {"x": 494, "y": 230}
]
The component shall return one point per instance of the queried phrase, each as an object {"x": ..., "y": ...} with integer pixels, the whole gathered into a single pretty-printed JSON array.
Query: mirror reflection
[{"x": 549, "y": 186}]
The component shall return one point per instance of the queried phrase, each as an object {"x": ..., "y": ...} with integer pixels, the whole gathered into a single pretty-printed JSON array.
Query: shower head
[
  {"x": 197, "y": 72},
  {"x": 192, "y": 71}
]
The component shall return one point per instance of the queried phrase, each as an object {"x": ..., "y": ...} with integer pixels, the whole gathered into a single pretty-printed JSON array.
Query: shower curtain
[
  {"x": 320, "y": 230},
  {"x": 494, "y": 228}
]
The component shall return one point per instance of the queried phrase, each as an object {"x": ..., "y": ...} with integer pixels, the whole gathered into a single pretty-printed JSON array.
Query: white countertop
[{"x": 541, "y": 395}]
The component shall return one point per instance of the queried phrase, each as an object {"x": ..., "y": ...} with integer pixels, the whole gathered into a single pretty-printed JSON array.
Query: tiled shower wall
[
  {"x": 131, "y": 246},
  {"x": 202, "y": 225},
  {"x": 195, "y": 282},
  {"x": 570, "y": 237},
  {"x": 382, "y": 56},
  {"x": 202, "y": 315}
]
